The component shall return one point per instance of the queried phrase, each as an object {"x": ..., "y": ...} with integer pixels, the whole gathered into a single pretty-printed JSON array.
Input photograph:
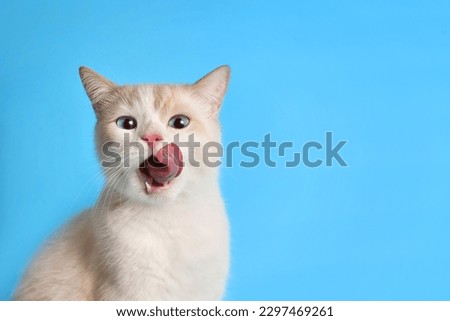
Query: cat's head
[{"x": 150, "y": 138}]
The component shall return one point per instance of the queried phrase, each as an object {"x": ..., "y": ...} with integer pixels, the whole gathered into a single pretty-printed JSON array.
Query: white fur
[{"x": 173, "y": 245}]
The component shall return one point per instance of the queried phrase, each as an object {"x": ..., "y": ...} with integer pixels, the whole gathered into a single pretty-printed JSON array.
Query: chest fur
[{"x": 178, "y": 255}]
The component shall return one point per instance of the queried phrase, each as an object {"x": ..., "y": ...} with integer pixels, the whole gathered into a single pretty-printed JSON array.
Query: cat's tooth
[{"x": 148, "y": 187}]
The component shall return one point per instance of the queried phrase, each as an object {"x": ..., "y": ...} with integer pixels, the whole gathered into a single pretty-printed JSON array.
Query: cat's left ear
[
  {"x": 213, "y": 86},
  {"x": 97, "y": 87}
]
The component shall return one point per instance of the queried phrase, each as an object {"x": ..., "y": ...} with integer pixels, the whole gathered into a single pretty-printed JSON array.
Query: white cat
[{"x": 159, "y": 230}]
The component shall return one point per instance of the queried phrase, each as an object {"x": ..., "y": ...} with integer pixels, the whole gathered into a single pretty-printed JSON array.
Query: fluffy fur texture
[{"x": 136, "y": 244}]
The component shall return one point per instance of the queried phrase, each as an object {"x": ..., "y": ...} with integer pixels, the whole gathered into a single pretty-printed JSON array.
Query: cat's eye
[
  {"x": 179, "y": 121},
  {"x": 126, "y": 122}
]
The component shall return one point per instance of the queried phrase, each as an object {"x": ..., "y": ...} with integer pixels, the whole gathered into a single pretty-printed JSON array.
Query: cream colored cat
[{"x": 159, "y": 230}]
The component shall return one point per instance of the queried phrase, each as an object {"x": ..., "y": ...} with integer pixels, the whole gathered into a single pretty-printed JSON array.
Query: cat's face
[{"x": 139, "y": 130}]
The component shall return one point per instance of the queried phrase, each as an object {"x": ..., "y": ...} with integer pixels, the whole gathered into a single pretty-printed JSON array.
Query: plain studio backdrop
[{"x": 375, "y": 73}]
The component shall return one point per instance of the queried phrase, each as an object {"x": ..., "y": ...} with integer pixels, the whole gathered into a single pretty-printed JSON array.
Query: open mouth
[{"x": 161, "y": 168}]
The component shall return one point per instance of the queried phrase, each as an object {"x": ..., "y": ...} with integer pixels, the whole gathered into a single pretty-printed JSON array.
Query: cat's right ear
[
  {"x": 213, "y": 86},
  {"x": 97, "y": 87}
]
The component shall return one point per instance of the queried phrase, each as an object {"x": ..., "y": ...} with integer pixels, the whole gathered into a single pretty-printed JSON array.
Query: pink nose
[{"x": 152, "y": 138}]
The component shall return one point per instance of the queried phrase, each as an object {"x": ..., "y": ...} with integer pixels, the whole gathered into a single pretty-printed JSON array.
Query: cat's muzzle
[{"x": 162, "y": 167}]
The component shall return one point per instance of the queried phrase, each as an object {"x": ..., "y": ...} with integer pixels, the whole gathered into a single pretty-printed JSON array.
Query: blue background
[{"x": 375, "y": 73}]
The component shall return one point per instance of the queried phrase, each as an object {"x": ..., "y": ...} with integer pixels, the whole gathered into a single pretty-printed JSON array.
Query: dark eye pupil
[
  {"x": 180, "y": 122},
  {"x": 128, "y": 123}
]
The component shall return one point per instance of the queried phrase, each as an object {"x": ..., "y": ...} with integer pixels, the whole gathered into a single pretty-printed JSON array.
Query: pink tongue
[{"x": 169, "y": 164}]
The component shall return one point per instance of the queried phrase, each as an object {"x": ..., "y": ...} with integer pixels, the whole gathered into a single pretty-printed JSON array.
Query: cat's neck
[{"x": 196, "y": 195}]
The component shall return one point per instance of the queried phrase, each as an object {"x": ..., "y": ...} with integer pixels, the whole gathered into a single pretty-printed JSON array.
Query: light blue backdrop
[{"x": 376, "y": 73}]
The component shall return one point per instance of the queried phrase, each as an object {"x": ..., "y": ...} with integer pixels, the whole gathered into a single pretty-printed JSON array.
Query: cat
[{"x": 159, "y": 230}]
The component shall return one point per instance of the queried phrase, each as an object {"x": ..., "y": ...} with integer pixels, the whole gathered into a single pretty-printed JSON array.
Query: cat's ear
[
  {"x": 97, "y": 87},
  {"x": 213, "y": 86}
]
